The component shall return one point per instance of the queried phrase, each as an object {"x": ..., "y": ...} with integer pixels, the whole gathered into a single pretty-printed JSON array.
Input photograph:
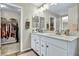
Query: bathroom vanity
[{"x": 48, "y": 44}]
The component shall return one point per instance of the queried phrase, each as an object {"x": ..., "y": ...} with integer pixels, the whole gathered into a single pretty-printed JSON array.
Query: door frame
[{"x": 19, "y": 22}]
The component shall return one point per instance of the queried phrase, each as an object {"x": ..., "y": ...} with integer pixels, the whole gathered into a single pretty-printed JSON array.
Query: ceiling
[
  {"x": 59, "y": 9},
  {"x": 9, "y": 8},
  {"x": 37, "y": 4}
]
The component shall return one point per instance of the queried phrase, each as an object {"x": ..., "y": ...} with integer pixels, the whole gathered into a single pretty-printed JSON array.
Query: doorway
[{"x": 10, "y": 28}]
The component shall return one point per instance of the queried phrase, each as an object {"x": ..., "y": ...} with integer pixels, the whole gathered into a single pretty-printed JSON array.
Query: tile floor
[
  {"x": 9, "y": 49},
  {"x": 12, "y": 49},
  {"x": 30, "y": 53}
]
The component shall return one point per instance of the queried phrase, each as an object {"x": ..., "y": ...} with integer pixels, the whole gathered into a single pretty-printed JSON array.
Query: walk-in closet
[{"x": 10, "y": 29}]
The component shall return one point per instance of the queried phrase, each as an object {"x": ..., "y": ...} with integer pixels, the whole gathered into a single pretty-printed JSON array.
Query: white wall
[
  {"x": 78, "y": 17},
  {"x": 10, "y": 14},
  {"x": 73, "y": 18},
  {"x": 28, "y": 10},
  {"x": 0, "y": 27}
]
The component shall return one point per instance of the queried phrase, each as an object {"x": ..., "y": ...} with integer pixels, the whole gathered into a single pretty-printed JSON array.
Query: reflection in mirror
[
  {"x": 0, "y": 29},
  {"x": 10, "y": 21},
  {"x": 64, "y": 22},
  {"x": 52, "y": 24}
]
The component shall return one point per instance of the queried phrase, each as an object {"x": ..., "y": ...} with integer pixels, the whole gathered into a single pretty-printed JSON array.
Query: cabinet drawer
[
  {"x": 38, "y": 44},
  {"x": 38, "y": 50},
  {"x": 37, "y": 41},
  {"x": 43, "y": 38},
  {"x": 33, "y": 44},
  {"x": 57, "y": 42}
]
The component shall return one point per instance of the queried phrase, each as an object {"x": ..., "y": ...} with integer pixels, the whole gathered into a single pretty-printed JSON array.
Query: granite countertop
[{"x": 61, "y": 37}]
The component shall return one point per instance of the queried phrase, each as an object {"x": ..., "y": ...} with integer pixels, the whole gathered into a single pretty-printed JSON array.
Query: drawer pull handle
[
  {"x": 37, "y": 42},
  {"x": 47, "y": 46},
  {"x": 42, "y": 46}
]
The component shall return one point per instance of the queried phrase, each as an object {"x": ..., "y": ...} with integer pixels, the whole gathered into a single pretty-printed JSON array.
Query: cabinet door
[
  {"x": 38, "y": 50},
  {"x": 43, "y": 48},
  {"x": 33, "y": 41},
  {"x": 55, "y": 51},
  {"x": 37, "y": 45}
]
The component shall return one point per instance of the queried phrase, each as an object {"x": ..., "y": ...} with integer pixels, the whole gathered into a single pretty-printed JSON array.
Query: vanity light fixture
[
  {"x": 46, "y": 6},
  {"x": 43, "y": 8}
]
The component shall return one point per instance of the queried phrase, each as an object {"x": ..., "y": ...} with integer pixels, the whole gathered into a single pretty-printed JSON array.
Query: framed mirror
[
  {"x": 64, "y": 22},
  {"x": 52, "y": 24}
]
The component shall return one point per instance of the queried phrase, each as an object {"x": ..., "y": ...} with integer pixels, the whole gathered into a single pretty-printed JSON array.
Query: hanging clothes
[
  {"x": 3, "y": 30},
  {"x": 7, "y": 31},
  {"x": 13, "y": 30},
  {"x": 17, "y": 38}
]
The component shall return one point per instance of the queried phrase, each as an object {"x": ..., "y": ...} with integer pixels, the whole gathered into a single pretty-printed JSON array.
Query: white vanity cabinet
[
  {"x": 50, "y": 46},
  {"x": 43, "y": 48},
  {"x": 33, "y": 39},
  {"x": 35, "y": 43},
  {"x": 53, "y": 47}
]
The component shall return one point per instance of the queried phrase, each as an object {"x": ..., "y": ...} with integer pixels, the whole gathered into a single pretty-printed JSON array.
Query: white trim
[
  {"x": 13, "y": 5},
  {"x": 21, "y": 29},
  {"x": 20, "y": 22},
  {"x": 25, "y": 49}
]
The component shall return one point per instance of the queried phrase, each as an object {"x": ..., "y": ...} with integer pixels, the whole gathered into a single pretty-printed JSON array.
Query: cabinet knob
[
  {"x": 47, "y": 46},
  {"x": 42, "y": 46}
]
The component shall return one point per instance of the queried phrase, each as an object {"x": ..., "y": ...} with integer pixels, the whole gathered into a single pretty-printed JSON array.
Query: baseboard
[
  {"x": 25, "y": 49},
  {"x": 35, "y": 53}
]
